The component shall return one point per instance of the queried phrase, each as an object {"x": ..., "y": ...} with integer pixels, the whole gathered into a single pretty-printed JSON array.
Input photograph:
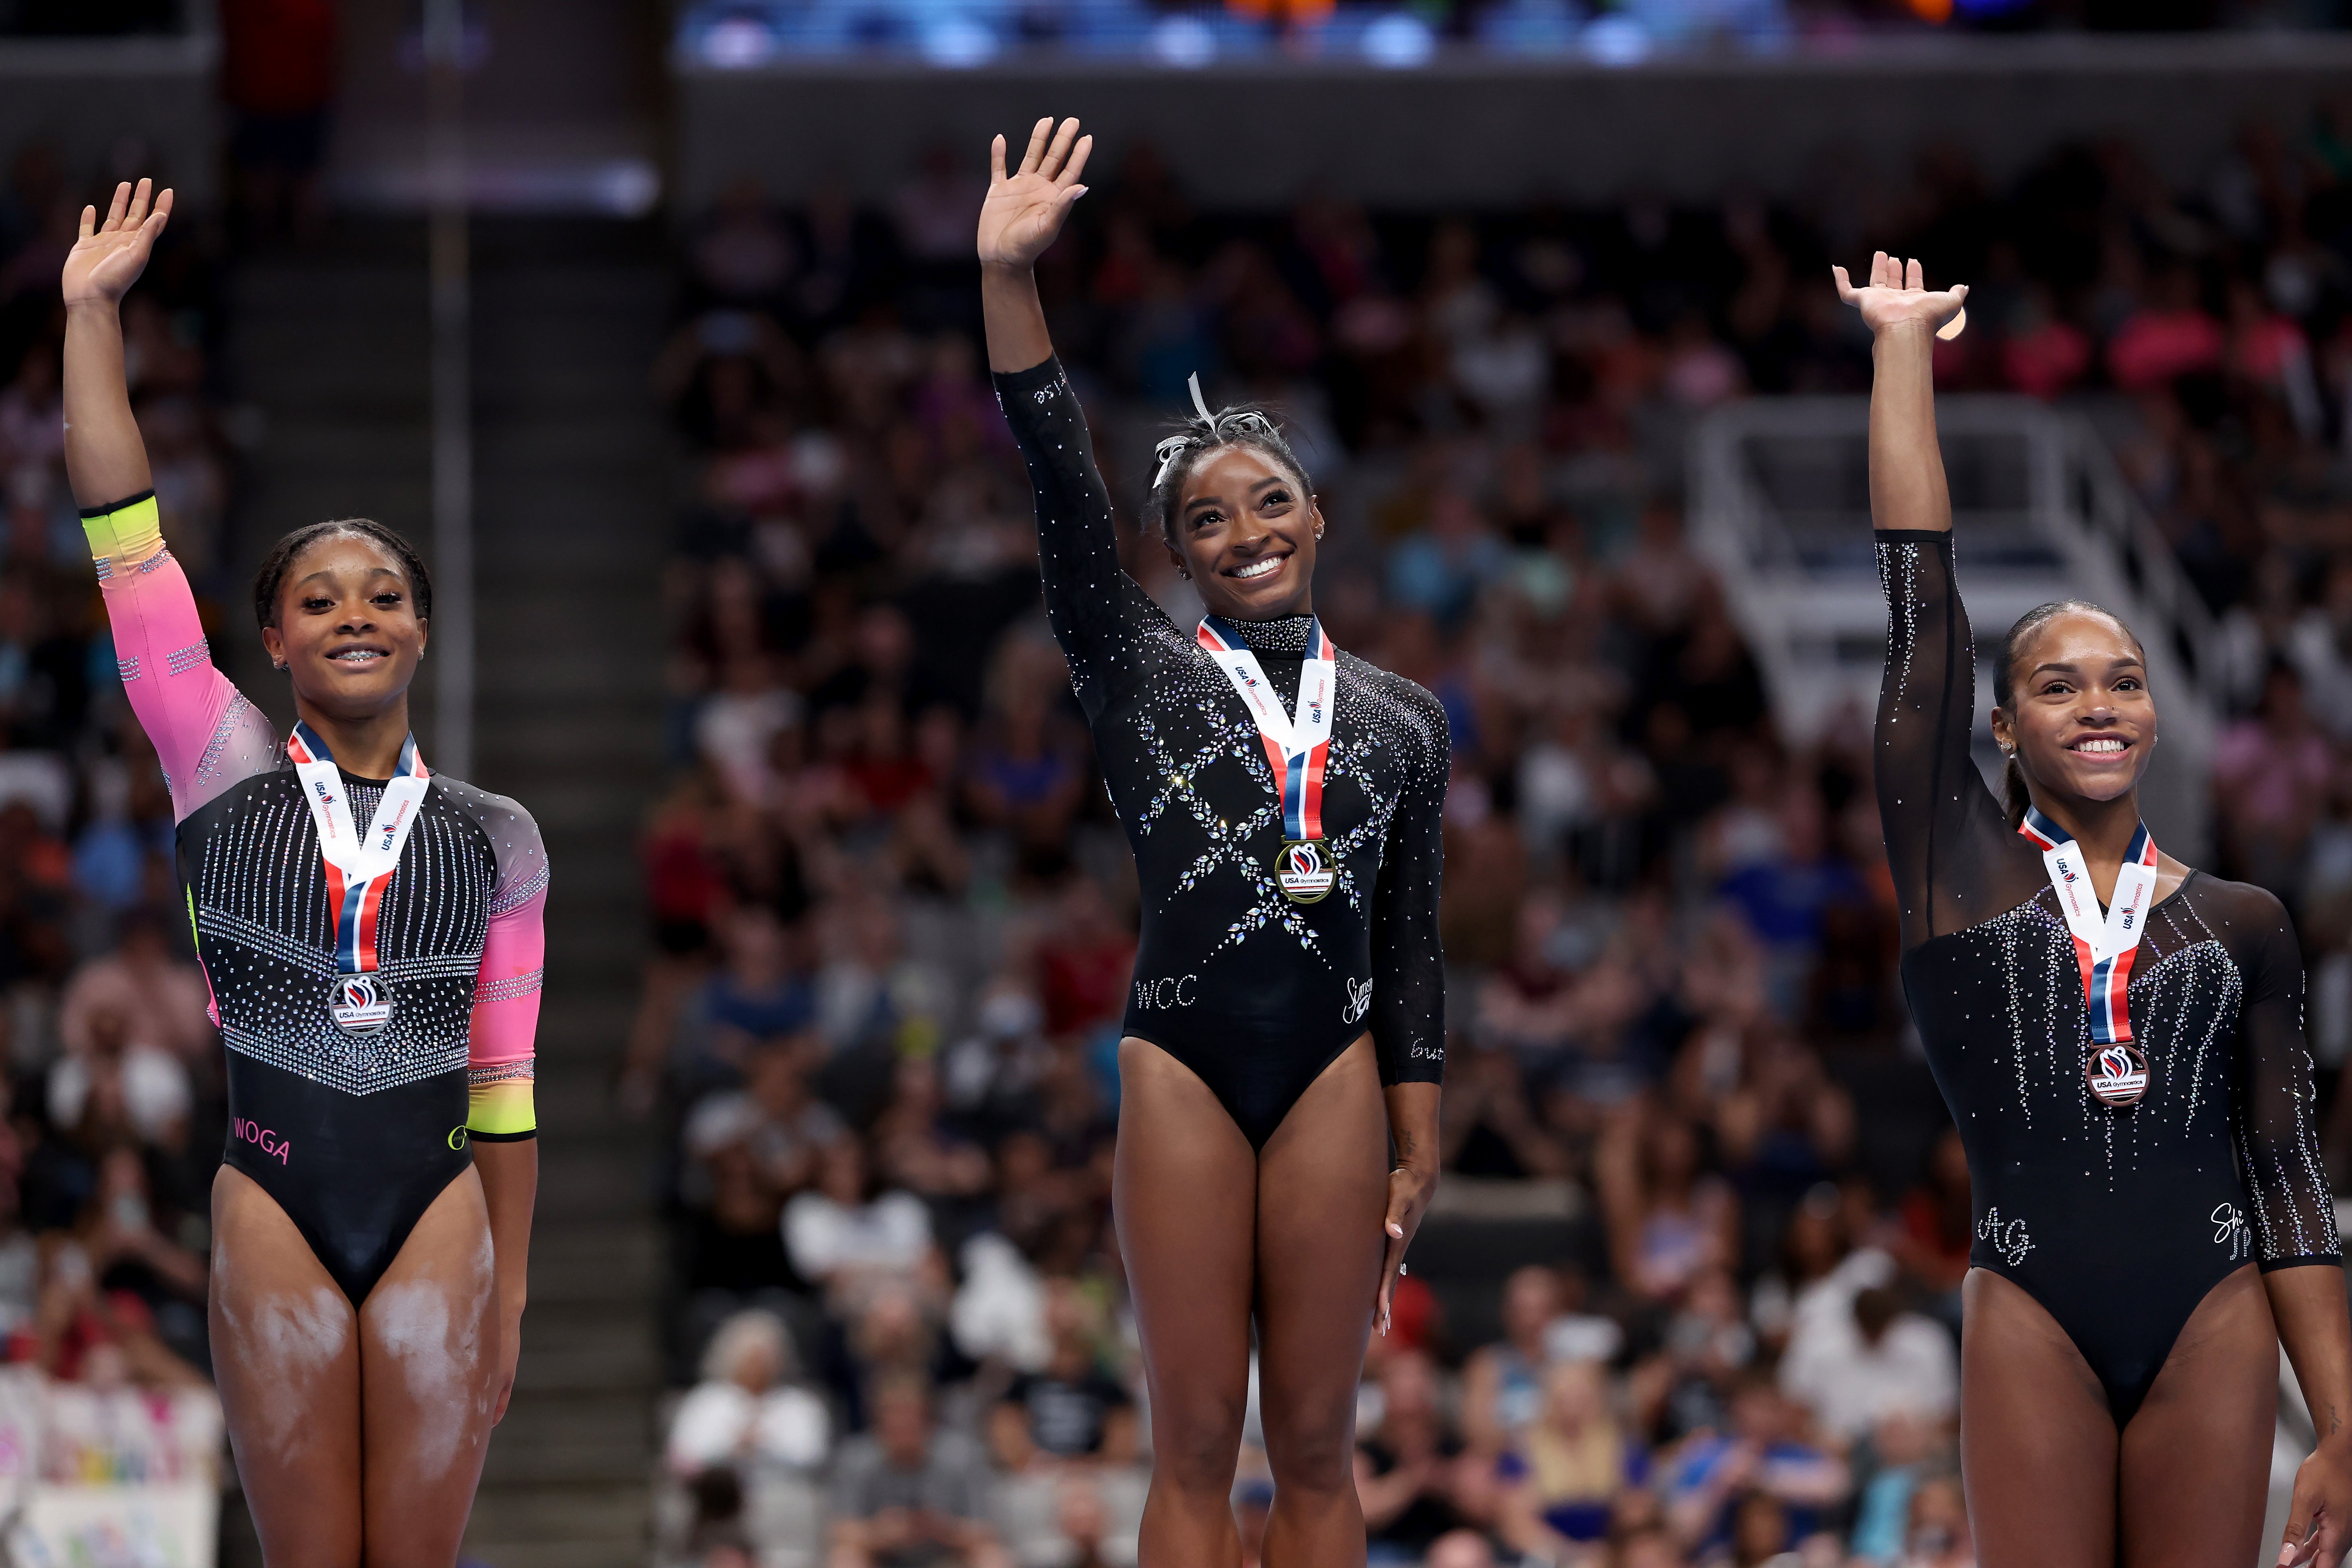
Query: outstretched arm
[
  {"x": 1023, "y": 216},
  {"x": 206, "y": 736},
  {"x": 1906, "y": 466},
  {"x": 1931, "y": 800},
  {"x": 105, "y": 459},
  {"x": 1090, "y": 601}
]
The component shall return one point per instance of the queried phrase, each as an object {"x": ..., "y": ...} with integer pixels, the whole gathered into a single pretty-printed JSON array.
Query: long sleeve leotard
[
  {"x": 1255, "y": 994},
  {"x": 353, "y": 1133},
  {"x": 2118, "y": 1220}
]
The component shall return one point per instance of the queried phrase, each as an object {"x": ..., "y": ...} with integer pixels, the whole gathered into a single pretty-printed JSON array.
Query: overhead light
[
  {"x": 960, "y": 42},
  {"x": 1400, "y": 41},
  {"x": 1182, "y": 41},
  {"x": 738, "y": 43},
  {"x": 1616, "y": 40}
]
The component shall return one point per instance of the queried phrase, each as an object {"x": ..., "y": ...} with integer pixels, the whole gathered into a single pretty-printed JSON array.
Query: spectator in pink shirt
[{"x": 2270, "y": 782}]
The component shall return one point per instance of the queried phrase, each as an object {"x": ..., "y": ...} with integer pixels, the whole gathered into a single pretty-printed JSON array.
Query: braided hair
[
  {"x": 1202, "y": 433},
  {"x": 280, "y": 559},
  {"x": 2015, "y": 797}
]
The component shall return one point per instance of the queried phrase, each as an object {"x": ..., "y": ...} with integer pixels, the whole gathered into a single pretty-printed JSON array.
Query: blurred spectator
[
  {"x": 1502, "y": 1384},
  {"x": 278, "y": 72},
  {"x": 2270, "y": 775},
  {"x": 1890, "y": 1362},
  {"x": 754, "y": 1442},
  {"x": 909, "y": 1494},
  {"x": 1409, "y": 1465},
  {"x": 1069, "y": 1402},
  {"x": 1710, "y": 1480},
  {"x": 1668, "y": 1220},
  {"x": 1569, "y": 1468},
  {"x": 847, "y": 1235},
  {"x": 745, "y": 1413},
  {"x": 116, "y": 1089}
]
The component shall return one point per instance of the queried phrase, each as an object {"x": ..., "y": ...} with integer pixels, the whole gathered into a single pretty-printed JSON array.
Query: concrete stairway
[{"x": 572, "y": 505}]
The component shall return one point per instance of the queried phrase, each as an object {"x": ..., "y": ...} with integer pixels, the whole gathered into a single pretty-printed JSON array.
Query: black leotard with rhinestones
[
  {"x": 353, "y": 1135},
  {"x": 1255, "y": 994},
  {"x": 2119, "y": 1221}
]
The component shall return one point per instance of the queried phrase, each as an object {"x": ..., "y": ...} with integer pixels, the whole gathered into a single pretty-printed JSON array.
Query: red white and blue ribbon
[
  {"x": 2104, "y": 942},
  {"x": 358, "y": 869},
  {"x": 1297, "y": 744}
]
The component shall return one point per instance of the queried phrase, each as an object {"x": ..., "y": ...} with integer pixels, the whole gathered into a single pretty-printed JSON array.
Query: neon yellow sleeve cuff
[
  {"x": 123, "y": 535},
  {"x": 500, "y": 1110}
]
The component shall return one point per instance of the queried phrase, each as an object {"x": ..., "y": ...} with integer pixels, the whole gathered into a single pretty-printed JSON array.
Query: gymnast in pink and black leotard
[
  {"x": 372, "y": 934},
  {"x": 365, "y": 1055}
]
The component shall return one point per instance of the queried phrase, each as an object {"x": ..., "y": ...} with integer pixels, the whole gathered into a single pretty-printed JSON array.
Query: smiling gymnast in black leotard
[
  {"x": 2120, "y": 1040},
  {"x": 1286, "y": 1024}
]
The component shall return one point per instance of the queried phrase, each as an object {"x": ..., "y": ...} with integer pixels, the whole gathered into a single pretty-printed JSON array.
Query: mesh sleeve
[
  {"x": 1408, "y": 1004},
  {"x": 1090, "y": 602},
  {"x": 206, "y": 735},
  {"x": 500, "y": 1056},
  {"x": 1956, "y": 859},
  {"x": 2293, "y": 1214}
]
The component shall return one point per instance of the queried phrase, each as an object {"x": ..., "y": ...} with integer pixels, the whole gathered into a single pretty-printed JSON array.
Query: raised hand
[
  {"x": 1895, "y": 295},
  {"x": 1025, "y": 210},
  {"x": 109, "y": 257}
]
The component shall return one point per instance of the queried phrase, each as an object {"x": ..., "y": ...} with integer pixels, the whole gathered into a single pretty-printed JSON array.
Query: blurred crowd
[
  {"x": 1690, "y": 1294},
  {"x": 735, "y": 33},
  {"x": 110, "y": 1078}
]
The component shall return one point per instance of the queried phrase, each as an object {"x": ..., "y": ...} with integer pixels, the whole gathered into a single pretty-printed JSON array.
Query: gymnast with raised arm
[
  {"x": 2119, "y": 1038},
  {"x": 1287, "y": 1027},
  {"x": 372, "y": 934}
]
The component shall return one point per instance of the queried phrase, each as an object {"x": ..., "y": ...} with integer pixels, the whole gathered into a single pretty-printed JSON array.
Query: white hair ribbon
[
  {"x": 1169, "y": 452},
  {"x": 1173, "y": 449}
]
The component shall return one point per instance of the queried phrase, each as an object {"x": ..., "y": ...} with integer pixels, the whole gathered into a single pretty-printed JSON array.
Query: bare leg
[
  {"x": 288, "y": 1364},
  {"x": 429, "y": 1358},
  {"x": 1322, "y": 1194},
  {"x": 2038, "y": 1445},
  {"x": 2197, "y": 1454},
  {"x": 1184, "y": 1192}
]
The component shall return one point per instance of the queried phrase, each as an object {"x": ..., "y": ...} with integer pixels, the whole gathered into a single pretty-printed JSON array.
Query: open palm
[
  {"x": 109, "y": 257},
  {"x": 1025, "y": 210},
  {"x": 1895, "y": 295}
]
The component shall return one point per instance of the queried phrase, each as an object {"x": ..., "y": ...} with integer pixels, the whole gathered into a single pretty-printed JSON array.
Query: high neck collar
[{"x": 1283, "y": 634}]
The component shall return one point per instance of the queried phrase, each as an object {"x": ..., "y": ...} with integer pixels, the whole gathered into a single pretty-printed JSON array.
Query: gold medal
[{"x": 1303, "y": 872}]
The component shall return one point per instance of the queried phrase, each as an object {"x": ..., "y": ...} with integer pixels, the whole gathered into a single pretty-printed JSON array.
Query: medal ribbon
[
  {"x": 2104, "y": 946},
  {"x": 358, "y": 869},
  {"x": 1297, "y": 744}
]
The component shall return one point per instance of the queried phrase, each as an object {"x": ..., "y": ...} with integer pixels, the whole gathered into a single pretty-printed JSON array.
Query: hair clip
[{"x": 1169, "y": 452}]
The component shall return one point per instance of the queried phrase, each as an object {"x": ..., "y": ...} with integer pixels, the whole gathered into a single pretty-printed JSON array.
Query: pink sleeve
[
  {"x": 206, "y": 735},
  {"x": 499, "y": 1061}
]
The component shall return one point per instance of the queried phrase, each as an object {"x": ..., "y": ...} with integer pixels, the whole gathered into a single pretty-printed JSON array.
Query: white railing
[{"x": 1780, "y": 504}]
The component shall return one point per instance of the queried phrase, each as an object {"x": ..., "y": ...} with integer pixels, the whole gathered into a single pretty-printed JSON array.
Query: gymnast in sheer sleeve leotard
[
  {"x": 1284, "y": 1038},
  {"x": 2119, "y": 1221},
  {"x": 1254, "y": 993},
  {"x": 2119, "y": 1038}
]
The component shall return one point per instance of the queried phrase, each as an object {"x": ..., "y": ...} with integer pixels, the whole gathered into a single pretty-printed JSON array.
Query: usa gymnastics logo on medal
[
  {"x": 1298, "y": 748},
  {"x": 1302, "y": 872},
  {"x": 358, "y": 871},
  {"x": 360, "y": 1005},
  {"x": 2118, "y": 1075}
]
